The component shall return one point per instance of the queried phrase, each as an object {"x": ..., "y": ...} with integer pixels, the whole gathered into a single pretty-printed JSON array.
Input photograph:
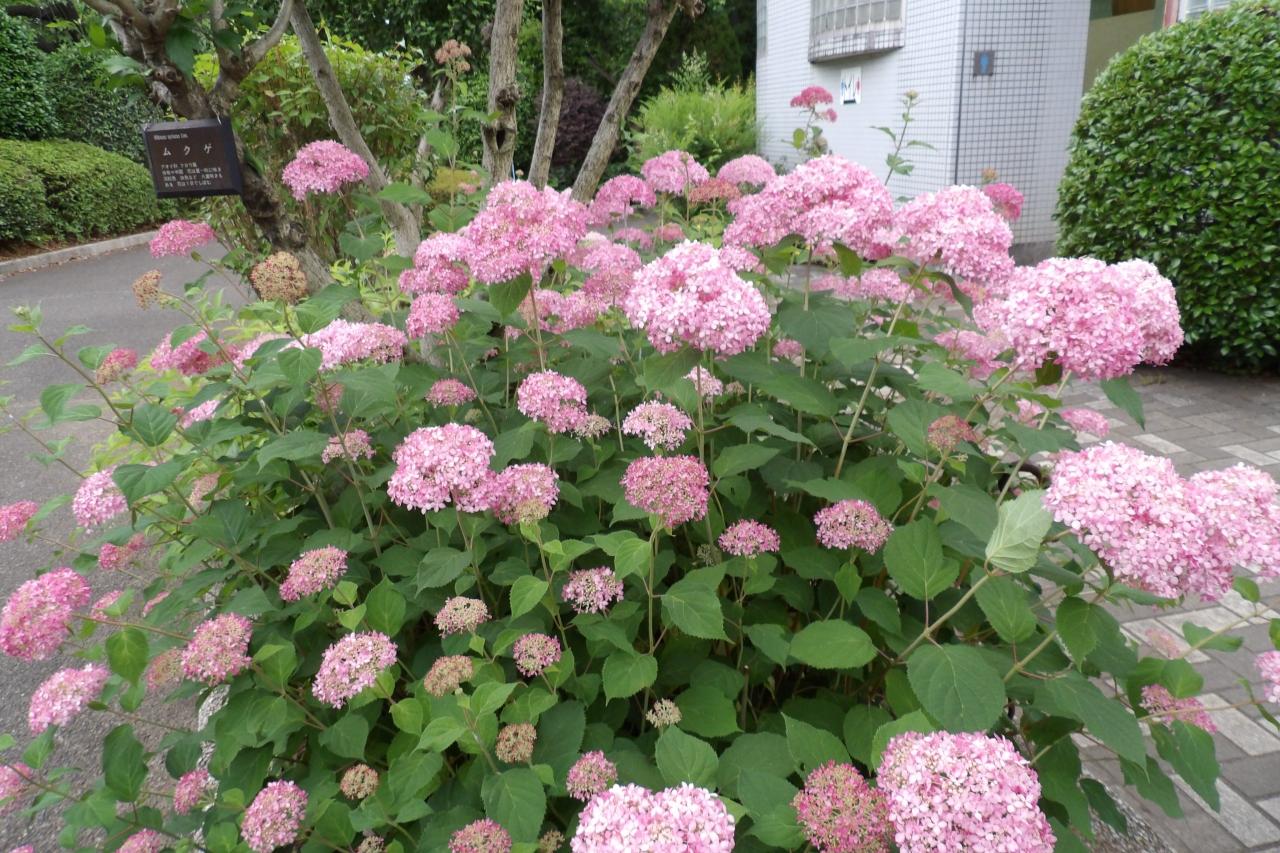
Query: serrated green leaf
[
  {"x": 127, "y": 653},
  {"x": 832, "y": 644},
  {"x": 526, "y": 592},
  {"x": 811, "y": 746},
  {"x": 694, "y": 608},
  {"x": 1004, "y": 602},
  {"x": 913, "y": 556},
  {"x": 956, "y": 686},
  {"x": 627, "y": 673},
  {"x": 743, "y": 457},
  {"x": 684, "y": 758},
  {"x": 517, "y": 801},
  {"x": 1120, "y": 392},
  {"x": 1020, "y": 530}
]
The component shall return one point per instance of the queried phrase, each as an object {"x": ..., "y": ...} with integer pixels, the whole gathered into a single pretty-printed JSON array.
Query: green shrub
[
  {"x": 24, "y": 214},
  {"x": 89, "y": 109},
  {"x": 87, "y": 192},
  {"x": 26, "y": 110},
  {"x": 714, "y": 124},
  {"x": 1176, "y": 159}
]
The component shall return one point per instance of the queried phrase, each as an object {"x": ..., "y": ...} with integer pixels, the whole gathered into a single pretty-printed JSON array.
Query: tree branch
[
  {"x": 255, "y": 52},
  {"x": 552, "y": 92}
]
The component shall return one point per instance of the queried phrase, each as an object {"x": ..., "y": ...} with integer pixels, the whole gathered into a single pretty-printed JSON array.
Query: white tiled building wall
[{"x": 1017, "y": 121}]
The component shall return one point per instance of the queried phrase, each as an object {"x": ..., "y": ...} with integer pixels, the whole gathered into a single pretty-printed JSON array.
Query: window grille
[{"x": 839, "y": 28}]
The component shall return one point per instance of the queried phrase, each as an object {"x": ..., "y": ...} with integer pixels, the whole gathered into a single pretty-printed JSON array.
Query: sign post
[{"x": 193, "y": 158}]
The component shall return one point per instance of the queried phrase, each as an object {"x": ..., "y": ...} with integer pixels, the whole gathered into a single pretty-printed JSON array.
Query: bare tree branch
[
  {"x": 255, "y": 52},
  {"x": 552, "y": 92}
]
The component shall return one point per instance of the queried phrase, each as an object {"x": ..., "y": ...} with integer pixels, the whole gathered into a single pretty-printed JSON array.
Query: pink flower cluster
[
  {"x": 342, "y": 342},
  {"x": 949, "y": 430},
  {"x": 515, "y": 743},
  {"x": 841, "y": 813},
  {"x": 218, "y": 650},
  {"x": 190, "y": 789},
  {"x": 358, "y": 781},
  {"x": 612, "y": 267},
  {"x": 749, "y": 169},
  {"x": 811, "y": 97},
  {"x": 352, "y": 445},
  {"x": 691, "y": 296},
  {"x": 14, "y": 518},
  {"x": 314, "y": 571},
  {"x": 437, "y": 464},
  {"x": 14, "y": 784},
  {"x": 673, "y": 172},
  {"x": 36, "y": 618},
  {"x": 431, "y": 314},
  {"x": 1162, "y": 533},
  {"x": 959, "y": 230},
  {"x": 198, "y": 414},
  {"x": 590, "y": 775},
  {"x": 592, "y": 590},
  {"x": 187, "y": 357},
  {"x": 533, "y": 653},
  {"x": 145, "y": 841},
  {"x": 1269, "y": 668},
  {"x": 274, "y": 817},
  {"x": 521, "y": 229},
  {"x": 983, "y": 350},
  {"x": 705, "y": 383},
  {"x": 618, "y": 198},
  {"x": 461, "y": 614},
  {"x": 966, "y": 792},
  {"x": 323, "y": 167},
  {"x": 658, "y": 425},
  {"x": 554, "y": 399},
  {"x": 1087, "y": 420},
  {"x": 1006, "y": 199},
  {"x": 1164, "y": 708},
  {"x": 852, "y": 524},
  {"x": 447, "y": 673},
  {"x": 115, "y": 364},
  {"x": 480, "y": 836},
  {"x": 749, "y": 539},
  {"x": 450, "y": 392},
  {"x": 713, "y": 190},
  {"x": 178, "y": 238},
  {"x": 674, "y": 488},
  {"x": 352, "y": 664},
  {"x": 521, "y": 493},
  {"x": 628, "y": 817},
  {"x": 438, "y": 265},
  {"x": 1096, "y": 320},
  {"x": 63, "y": 695}
]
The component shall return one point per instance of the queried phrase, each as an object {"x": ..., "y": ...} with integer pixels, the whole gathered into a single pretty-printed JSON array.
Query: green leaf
[
  {"x": 743, "y": 457},
  {"x": 916, "y": 721},
  {"x": 517, "y": 801},
  {"x": 860, "y": 725},
  {"x": 1005, "y": 604},
  {"x": 957, "y": 687},
  {"x": 124, "y": 764},
  {"x": 707, "y": 712},
  {"x": 1074, "y": 696},
  {"x": 969, "y": 506},
  {"x": 1046, "y": 439},
  {"x": 881, "y": 608},
  {"x": 441, "y": 733},
  {"x": 762, "y": 752},
  {"x": 138, "y": 481},
  {"x": 1190, "y": 750},
  {"x": 1020, "y": 530},
  {"x": 324, "y": 307},
  {"x": 152, "y": 424},
  {"x": 1120, "y": 392},
  {"x": 127, "y": 653},
  {"x": 294, "y": 446},
  {"x": 801, "y": 393},
  {"x": 346, "y": 738},
  {"x": 405, "y": 194},
  {"x": 941, "y": 379},
  {"x": 854, "y": 351},
  {"x": 408, "y": 715},
  {"x": 833, "y": 644},
  {"x": 830, "y": 490},
  {"x": 627, "y": 673},
  {"x": 298, "y": 365},
  {"x": 910, "y": 420},
  {"x": 491, "y": 696},
  {"x": 693, "y": 607},
  {"x": 1203, "y": 638},
  {"x": 506, "y": 296},
  {"x": 685, "y": 758},
  {"x": 181, "y": 44},
  {"x": 913, "y": 556},
  {"x": 560, "y": 731},
  {"x": 526, "y": 592},
  {"x": 385, "y": 608},
  {"x": 811, "y": 746},
  {"x": 361, "y": 249},
  {"x": 1080, "y": 625},
  {"x": 772, "y": 640},
  {"x": 441, "y": 566},
  {"x": 661, "y": 371}
]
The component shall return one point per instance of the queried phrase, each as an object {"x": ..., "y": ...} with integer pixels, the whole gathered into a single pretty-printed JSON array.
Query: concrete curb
[{"x": 73, "y": 253}]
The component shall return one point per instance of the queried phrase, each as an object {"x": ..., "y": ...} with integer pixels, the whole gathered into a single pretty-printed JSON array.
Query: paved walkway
[{"x": 1209, "y": 421}]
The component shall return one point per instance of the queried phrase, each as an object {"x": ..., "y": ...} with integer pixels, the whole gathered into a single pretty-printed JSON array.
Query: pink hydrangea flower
[
  {"x": 480, "y": 836},
  {"x": 1269, "y": 668},
  {"x": 959, "y": 230},
  {"x": 250, "y": 349},
  {"x": 841, "y": 813},
  {"x": 713, "y": 190},
  {"x": 447, "y": 673},
  {"x": 749, "y": 539},
  {"x": 314, "y": 571},
  {"x": 431, "y": 313},
  {"x": 438, "y": 265},
  {"x": 343, "y": 342},
  {"x": 187, "y": 357},
  {"x": 556, "y": 400},
  {"x": 164, "y": 670},
  {"x": 64, "y": 695},
  {"x": 152, "y": 602},
  {"x": 98, "y": 500},
  {"x": 1239, "y": 509},
  {"x": 962, "y": 792},
  {"x": 788, "y": 349},
  {"x": 852, "y": 524},
  {"x": 15, "y": 783},
  {"x": 358, "y": 782},
  {"x": 191, "y": 788},
  {"x": 450, "y": 392},
  {"x": 1087, "y": 420},
  {"x": 37, "y": 617},
  {"x": 664, "y": 713},
  {"x": 949, "y": 430},
  {"x": 983, "y": 350},
  {"x": 112, "y": 557},
  {"x": 705, "y": 383},
  {"x": 437, "y": 464},
  {"x": 323, "y": 167},
  {"x": 461, "y": 614},
  {"x": 686, "y": 818},
  {"x": 618, "y": 198},
  {"x": 658, "y": 425},
  {"x": 561, "y": 312},
  {"x": 591, "y": 774},
  {"x": 750, "y": 169},
  {"x": 14, "y": 518},
  {"x": 115, "y": 364},
  {"x": 592, "y": 590},
  {"x": 612, "y": 267},
  {"x": 673, "y": 172},
  {"x": 633, "y": 235},
  {"x": 534, "y": 653},
  {"x": 521, "y": 229},
  {"x": 521, "y": 493},
  {"x": 1006, "y": 199},
  {"x": 515, "y": 743},
  {"x": 690, "y": 296},
  {"x": 1164, "y": 708},
  {"x": 100, "y": 608},
  {"x": 178, "y": 238},
  {"x": 352, "y": 664},
  {"x": 741, "y": 259},
  {"x": 811, "y": 97},
  {"x": 218, "y": 649},
  {"x": 146, "y": 841},
  {"x": 200, "y": 413},
  {"x": 274, "y": 817},
  {"x": 674, "y": 488},
  {"x": 352, "y": 445},
  {"x": 671, "y": 232}
]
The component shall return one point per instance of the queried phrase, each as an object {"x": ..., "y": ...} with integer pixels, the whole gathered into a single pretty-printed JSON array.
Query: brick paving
[{"x": 1207, "y": 421}]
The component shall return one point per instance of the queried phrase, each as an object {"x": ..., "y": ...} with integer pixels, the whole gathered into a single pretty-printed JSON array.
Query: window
[
  {"x": 1196, "y": 8},
  {"x": 839, "y": 28}
]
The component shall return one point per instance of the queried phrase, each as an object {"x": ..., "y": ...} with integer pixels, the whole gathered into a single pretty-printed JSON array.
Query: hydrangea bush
[{"x": 562, "y": 544}]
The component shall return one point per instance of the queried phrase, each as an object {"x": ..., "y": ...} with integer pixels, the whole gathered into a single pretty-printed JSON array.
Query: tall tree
[
  {"x": 499, "y": 133},
  {"x": 659, "y": 14},
  {"x": 552, "y": 92}
]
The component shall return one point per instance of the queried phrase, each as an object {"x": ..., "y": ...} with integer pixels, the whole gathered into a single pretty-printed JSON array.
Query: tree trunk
[
  {"x": 402, "y": 221},
  {"x": 499, "y": 135},
  {"x": 660, "y": 13},
  {"x": 552, "y": 92}
]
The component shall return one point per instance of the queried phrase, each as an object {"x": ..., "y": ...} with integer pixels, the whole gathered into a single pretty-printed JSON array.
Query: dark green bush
[
  {"x": 715, "y": 123},
  {"x": 86, "y": 192},
  {"x": 1176, "y": 159},
  {"x": 90, "y": 110},
  {"x": 26, "y": 110},
  {"x": 24, "y": 215}
]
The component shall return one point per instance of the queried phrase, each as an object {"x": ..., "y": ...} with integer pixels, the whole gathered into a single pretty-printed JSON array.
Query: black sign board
[
  {"x": 193, "y": 158},
  {"x": 984, "y": 63}
]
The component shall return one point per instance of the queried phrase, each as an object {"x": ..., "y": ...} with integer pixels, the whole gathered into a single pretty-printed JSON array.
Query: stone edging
[{"x": 31, "y": 263}]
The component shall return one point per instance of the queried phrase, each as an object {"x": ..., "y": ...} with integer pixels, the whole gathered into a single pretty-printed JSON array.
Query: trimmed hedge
[
  {"x": 1176, "y": 159},
  {"x": 26, "y": 110},
  {"x": 91, "y": 109},
  {"x": 70, "y": 190}
]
